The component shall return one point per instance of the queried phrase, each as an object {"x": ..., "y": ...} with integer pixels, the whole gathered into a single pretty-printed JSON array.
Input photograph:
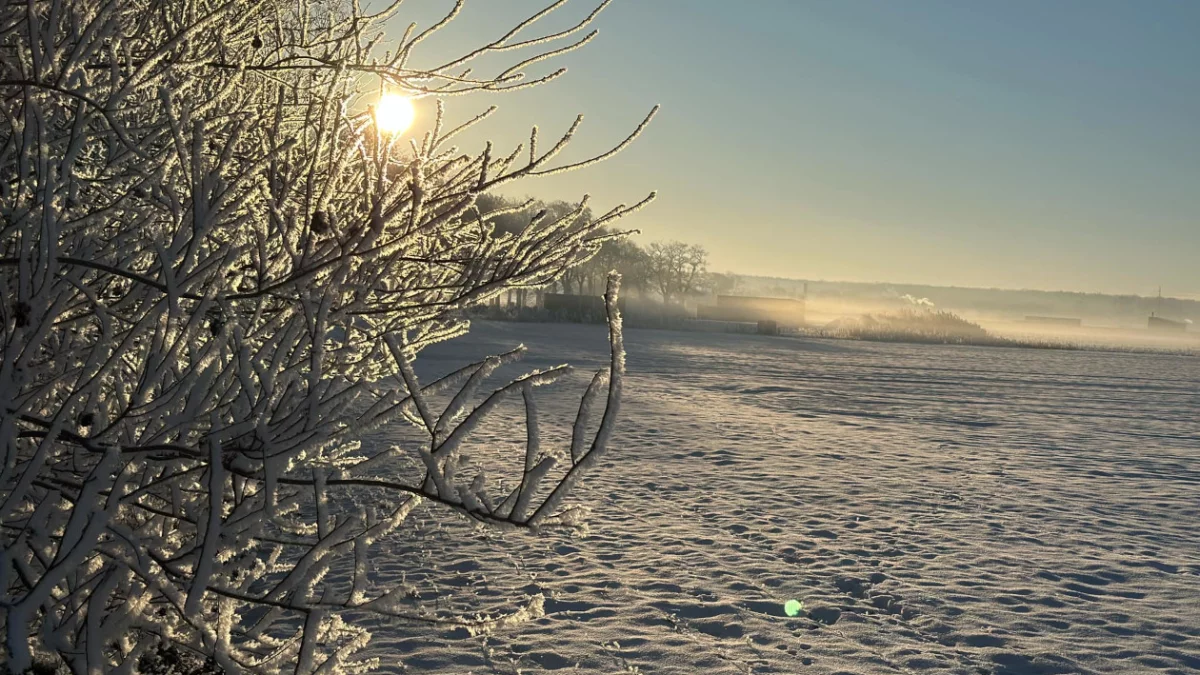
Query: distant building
[
  {"x": 1161, "y": 325},
  {"x": 785, "y": 312},
  {"x": 1054, "y": 320}
]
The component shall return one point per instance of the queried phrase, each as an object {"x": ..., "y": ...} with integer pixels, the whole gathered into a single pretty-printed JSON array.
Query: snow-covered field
[{"x": 936, "y": 509}]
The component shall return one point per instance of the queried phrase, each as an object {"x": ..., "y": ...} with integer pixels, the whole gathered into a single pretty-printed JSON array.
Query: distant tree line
[{"x": 670, "y": 270}]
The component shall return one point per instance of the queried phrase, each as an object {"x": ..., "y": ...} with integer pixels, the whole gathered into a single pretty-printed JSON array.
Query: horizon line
[{"x": 971, "y": 288}]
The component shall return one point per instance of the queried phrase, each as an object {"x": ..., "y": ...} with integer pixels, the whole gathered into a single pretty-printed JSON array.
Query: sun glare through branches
[{"x": 394, "y": 113}]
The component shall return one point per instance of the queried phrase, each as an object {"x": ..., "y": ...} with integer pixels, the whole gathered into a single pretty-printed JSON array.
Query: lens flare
[{"x": 792, "y": 607}]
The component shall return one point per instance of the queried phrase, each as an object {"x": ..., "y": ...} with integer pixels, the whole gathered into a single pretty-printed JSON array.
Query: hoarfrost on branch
[{"x": 217, "y": 272}]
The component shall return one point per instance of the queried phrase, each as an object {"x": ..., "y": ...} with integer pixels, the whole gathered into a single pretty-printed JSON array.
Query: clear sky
[{"x": 1018, "y": 144}]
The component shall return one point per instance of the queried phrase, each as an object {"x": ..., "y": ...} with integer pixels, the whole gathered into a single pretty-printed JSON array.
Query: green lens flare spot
[{"x": 792, "y": 607}]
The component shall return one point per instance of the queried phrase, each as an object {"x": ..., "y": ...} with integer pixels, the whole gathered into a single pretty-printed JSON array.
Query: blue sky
[{"x": 1017, "y": 144}]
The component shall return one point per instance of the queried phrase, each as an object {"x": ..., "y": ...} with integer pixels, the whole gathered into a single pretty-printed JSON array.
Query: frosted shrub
[{"x": 217, "y": 271}]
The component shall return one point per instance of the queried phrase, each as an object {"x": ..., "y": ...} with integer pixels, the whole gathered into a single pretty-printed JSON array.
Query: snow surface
[{"x": 936, "y": 509}]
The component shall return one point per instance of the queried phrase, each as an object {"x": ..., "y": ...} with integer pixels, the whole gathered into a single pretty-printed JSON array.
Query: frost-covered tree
[
  {"x": 676, "y": 268},
  {"x": 216, "y": 271},
  {"x": 622, "y": 255}
]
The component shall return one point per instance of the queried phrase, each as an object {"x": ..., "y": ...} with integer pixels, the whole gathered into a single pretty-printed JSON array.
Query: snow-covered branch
[{"x": 217, "y": 273}]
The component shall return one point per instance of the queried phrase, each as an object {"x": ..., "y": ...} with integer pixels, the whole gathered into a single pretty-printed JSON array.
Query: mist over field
[{"x": 1066, "y": 318}]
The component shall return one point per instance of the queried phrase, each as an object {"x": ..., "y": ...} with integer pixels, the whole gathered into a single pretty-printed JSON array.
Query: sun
[{"x": 394, "y": 113}]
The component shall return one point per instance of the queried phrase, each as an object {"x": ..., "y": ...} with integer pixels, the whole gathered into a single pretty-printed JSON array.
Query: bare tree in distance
[
  {"x": 723, "y": 284},
  {"x": 675, "y": 268},
  {"x": 615, "y": 251},
  {"x": 217, "y": 272},
  {"x": 622, "y": 255}
]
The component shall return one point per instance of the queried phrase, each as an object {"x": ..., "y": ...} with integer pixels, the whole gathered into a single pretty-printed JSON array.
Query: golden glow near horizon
[{"x": 394, "y": 113}]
